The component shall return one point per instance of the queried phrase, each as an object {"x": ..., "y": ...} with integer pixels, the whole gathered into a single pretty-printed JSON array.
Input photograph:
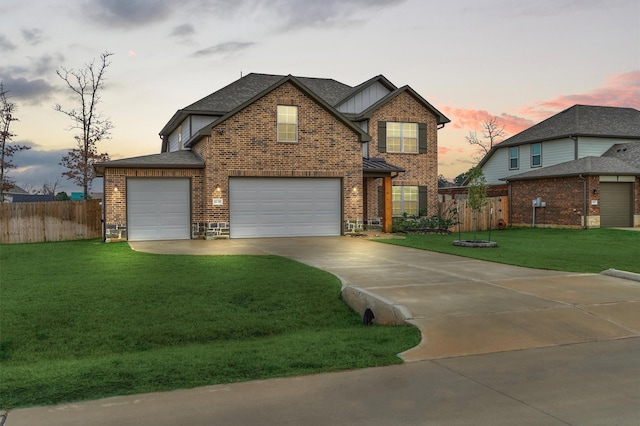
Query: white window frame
[
  {"x": 539, "y": 155},
  {"x": 517, "y": 157},
  {"x": 284, "y": 111},
  {"x": 402, "y": 125},
  {"x": 399, "y": 194}
]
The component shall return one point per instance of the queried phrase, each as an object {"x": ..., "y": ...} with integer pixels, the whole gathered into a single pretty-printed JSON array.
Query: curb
[
  {"x": 385, "y": 311},
  {"x": 622, "y": 274}
]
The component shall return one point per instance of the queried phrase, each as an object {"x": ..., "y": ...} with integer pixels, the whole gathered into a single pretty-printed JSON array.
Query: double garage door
[
  {"x": 284, "y": 207},
  {"x": 160, "y": 209}
]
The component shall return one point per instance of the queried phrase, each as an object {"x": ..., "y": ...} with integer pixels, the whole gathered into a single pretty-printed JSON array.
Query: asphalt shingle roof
[
  {"x": 600, "y": 166},
  {"x": 629, "y": 152},
  {"x": 177, "y": 159},
  {"x": 240, "y": 91},
  {"x": 582, "y": 120},
  {"x": 379, "y": 165}
]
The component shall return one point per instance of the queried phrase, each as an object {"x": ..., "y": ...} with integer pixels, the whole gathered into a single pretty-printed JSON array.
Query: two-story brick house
[
  {"x": 578, "y": 168},
  {"x": 271, "y": 155}
]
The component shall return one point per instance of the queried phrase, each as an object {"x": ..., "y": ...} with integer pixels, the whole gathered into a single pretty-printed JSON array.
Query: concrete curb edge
[
  {"x": 385, "y": 311},
  {"x": 622, "y": 274}
]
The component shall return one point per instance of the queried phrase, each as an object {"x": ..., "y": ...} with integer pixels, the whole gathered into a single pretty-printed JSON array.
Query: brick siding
[{"x": 421, "y": 169}]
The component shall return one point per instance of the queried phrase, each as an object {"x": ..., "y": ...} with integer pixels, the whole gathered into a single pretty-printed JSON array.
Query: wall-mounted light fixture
[
  {"x": 595, "y": 191},
  {"x": 115, "y": 188},
  {"x": 355, "y": 190},
  {"x": 218, "y": 188}
]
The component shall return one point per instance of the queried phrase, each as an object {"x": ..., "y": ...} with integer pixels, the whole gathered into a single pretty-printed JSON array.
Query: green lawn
[
  {"x": 84, "y": 319},
  {"x": 574, "y": 250}
]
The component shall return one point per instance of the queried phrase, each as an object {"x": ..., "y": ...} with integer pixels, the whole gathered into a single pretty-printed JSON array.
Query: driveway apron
[{"x": 461, "y": 306}]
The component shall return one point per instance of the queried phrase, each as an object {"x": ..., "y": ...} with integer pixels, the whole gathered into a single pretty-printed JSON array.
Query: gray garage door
[
  {"x": 284, "y": 207},
  {"x": 616, "y": 204},
  {"x": 158, "y": 209}
]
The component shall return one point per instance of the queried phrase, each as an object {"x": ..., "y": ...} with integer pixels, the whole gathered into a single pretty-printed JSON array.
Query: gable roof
[
  {"x": 362, "y": 86},
  {"x": 441, "y": 118},
  {"x": 579, "y": 120},
  {"x": 629, "y": 152},
  {"x": 206, "y": 131},
  {"x": 247, "y": 88},
  {"x": 582, "y": 120},
  {"x": 182, "y": 159},
  {"x": 240, "y": 91}
]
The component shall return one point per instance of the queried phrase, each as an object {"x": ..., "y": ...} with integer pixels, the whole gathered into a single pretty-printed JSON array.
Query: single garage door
[
  {"x": 158, "y": 209},
  {"x": 616, "y": 204},
  {"x": 284, "y": 207}
]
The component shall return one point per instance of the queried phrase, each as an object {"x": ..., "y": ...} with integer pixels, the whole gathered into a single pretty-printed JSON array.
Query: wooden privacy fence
[
  {"x": 500, "y": 206},
  {"x": 50, "y": 221}
]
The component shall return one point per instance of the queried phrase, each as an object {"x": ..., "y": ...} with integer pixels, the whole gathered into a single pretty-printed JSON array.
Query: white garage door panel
[
  {"x": 158, "y": 209},
  {"x": 284, "y": 207}
]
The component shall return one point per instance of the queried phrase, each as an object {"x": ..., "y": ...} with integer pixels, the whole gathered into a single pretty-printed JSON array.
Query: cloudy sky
[{"x": 520, "y": 61}]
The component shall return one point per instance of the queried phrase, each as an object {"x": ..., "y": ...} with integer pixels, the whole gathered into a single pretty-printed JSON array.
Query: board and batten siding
[{"x": 364, "y": 99}]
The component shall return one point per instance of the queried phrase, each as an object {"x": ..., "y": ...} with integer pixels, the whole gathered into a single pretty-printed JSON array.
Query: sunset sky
[{"x": 520, "y": 61}]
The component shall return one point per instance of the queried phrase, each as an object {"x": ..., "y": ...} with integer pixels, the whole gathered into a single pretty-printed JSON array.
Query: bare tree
[
  {"x": 7, "y": 110},
  {"x": 86, "y": 85},
  {"x": 492, "y": 134}
]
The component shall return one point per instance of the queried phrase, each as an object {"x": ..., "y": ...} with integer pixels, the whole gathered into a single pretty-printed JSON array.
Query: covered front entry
[
  {"x": 158, "y": 209},
  {"x": 285, "y": 207},
  {"x": 616, "y": 204}
]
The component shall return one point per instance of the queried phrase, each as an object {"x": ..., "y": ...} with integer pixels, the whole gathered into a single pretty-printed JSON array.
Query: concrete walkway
[{"x": 547, "y": 348}]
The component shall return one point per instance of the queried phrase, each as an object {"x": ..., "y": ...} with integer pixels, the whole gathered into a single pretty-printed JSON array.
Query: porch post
[{"x": 387, "y": 211}]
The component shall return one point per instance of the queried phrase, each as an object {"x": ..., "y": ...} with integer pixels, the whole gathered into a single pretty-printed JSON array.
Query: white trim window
[
  {"x": 404, "y": 199},
  {"x": 514, "y": 154},
  {"x": 287, "y": 123},
  {"x": 402, "y": 137},
  {"x": 536, "y": 155}
]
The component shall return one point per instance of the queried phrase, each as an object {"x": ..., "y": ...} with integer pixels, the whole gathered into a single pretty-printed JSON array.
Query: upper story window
[
  {"x": 514, "y": 153},
  {"x": 397, "y": 137},
  {"x": 287, "y": 123},
  {"x": 536, "y": 155},
  {"x": 402, "y": 137}
]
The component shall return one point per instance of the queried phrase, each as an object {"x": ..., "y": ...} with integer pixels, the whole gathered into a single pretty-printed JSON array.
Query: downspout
[
  {"x": 104, "y": 207},
  {"x": 575, "y": 146},
  {"x": 585, "y": 213},
  {"x": 510, "y": 203}
]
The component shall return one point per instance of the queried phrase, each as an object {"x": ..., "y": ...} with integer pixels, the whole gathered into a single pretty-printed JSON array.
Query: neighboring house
[
  {"x": 271, "y": 155},
  {"x": 578, "y": 168},
  {"x": 9, "y": 194},
  {"x": 32, "y": 198}
]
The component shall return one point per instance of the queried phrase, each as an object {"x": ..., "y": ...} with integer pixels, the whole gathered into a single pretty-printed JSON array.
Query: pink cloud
[
  {"x": 472, "y": 119},
  {"x": 620, "y": 90}
]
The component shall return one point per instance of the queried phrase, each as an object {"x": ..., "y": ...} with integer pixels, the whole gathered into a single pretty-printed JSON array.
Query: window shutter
[
  {"x": 380, "y": 201},
  {"x": 382, "y": 136},
  {"x": 422, "y": 138},
  {"x": 422, "y": 200}
]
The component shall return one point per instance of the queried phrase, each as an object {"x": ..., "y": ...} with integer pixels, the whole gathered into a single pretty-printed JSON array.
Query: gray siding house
[{"x": 578, "y": 168}]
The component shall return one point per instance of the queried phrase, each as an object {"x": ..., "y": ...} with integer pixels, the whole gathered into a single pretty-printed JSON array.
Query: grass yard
[
  {"x": 85, "y": 320},
  {"x": 574, "y": 250}
]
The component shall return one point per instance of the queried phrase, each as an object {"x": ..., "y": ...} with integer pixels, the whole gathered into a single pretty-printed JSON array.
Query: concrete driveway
[
  {"x": 581, "y": 365},
  {"x": 462, "y": 306}
]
